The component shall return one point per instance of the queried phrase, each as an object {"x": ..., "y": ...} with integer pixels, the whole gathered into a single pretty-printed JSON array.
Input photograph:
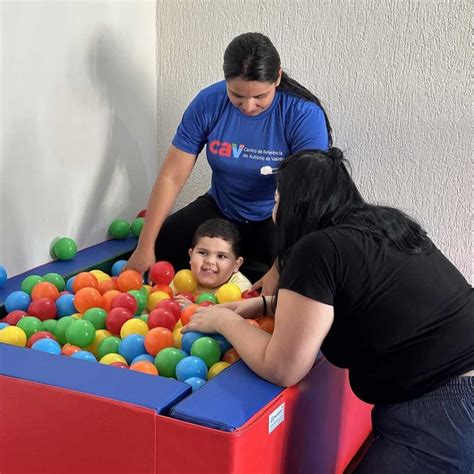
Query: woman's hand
[
  {"x": 141, "y": 260},
  {"x": 268, "y": 282},
  {"x": 211, "y": 319}
]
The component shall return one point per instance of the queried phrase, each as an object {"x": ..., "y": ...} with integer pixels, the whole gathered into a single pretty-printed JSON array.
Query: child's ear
[
  {"x": 238, "y": 264},
  {"x": 190, "y": 252}
]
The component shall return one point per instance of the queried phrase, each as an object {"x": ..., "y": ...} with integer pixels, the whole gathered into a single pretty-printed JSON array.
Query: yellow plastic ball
[
  {"x": 147, "y": 288},
  {"x": 185, "y": 282},
  {"x": 100, "y": 275},
  {"x": 77, "y": 315},
  {"x": 111, "y": 358},
  {"x": 13, "y": 335},
  {"x": 155, "y": 297},
  {"x": 177, "y": 337},
  {"x": 228, "y": 292},
  {"x": 100, "y": 335},
  {"x": 179, "y": 324},
  {"x": 134, "y": 326},
  {"x": 216, "y": 369}
]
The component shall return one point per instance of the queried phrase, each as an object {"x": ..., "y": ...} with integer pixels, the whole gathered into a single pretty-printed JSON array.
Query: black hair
[
  {"x": 222, "y": 229},
  {"x": 253, "y": 57},
  {"x": 316, "y": 191}
]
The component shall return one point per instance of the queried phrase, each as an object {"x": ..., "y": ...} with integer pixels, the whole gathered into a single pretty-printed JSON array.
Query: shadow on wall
[{"x": 119, "y": 82}]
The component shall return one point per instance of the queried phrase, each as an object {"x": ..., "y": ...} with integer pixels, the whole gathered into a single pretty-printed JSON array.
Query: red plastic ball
[
  {"x": 39, "y": 335},
  {"x": 171, "y": 306},
  {"x": 161, "y": 273},
  {"x": 116, "y": 319},
  {"x": 125, "y": 300},
  {"x": 161, "y": 318},
  {"x": 14, "y": 316},
  {"x": 250, "y": 294},
  {"x": 206, "y": 303},
  {"x": 142, "y": 213},
  {"x": 43, "y": 308},
  {"x": 188, "y": 296}
]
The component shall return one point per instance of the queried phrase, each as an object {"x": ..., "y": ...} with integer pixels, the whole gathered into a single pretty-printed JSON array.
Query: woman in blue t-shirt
[
  {"x": 367, "y": 286},
  {"x": 248, "y": 123}
]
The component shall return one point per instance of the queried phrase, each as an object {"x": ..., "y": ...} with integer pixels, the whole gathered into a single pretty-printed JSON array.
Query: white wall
[
  {"x": 393, "y": 76},
  {"x": 77, "y": 123}
]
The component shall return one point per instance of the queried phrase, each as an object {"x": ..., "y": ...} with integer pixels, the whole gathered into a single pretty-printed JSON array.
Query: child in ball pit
[{"x": 215, "y": 258}]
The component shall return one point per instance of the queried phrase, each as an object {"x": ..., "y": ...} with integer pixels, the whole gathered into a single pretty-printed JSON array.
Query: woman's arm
[
  {"x": 286, "y": 356},
  {"x": 173, "y": 175}
]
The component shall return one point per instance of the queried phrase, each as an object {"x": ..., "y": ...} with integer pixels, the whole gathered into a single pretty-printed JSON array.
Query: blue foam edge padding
[
  {"x": 227, "y": 401},
  {"x": 156, "y": 393},
  {"x": 85, "y": 258}
]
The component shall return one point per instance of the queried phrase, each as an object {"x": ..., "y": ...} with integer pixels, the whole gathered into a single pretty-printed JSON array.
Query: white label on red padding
[{"x": 276, "y": 417}]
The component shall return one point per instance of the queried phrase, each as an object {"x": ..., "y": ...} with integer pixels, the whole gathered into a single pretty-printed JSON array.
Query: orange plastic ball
[
  {"x": 231, "y": 356},
  {"x": 157, "y": 339},
  {"x": 84, "y": 280},
  {"x": 107, "y": 298},
  {"x": 44, "y": 289},
  {"x": 252, "y": 322},
  {"x": 69, "y": 349},
  {"x": 106, "y": 285},
  {"x": 187, "y": 312},
  {"x": 129, "y": 280},
  {"x": 87, "y": 298},
  {"x": 266, "y": 323},
  {"x": 145, "y": 366},
  {"x": 165, "y": 288}
]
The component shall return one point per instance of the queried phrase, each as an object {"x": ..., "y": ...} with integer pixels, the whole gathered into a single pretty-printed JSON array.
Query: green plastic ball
[
  {"x": 141, "y": 300},
  {"x": 49, "y": 325},
  {"x": 206, "y": 297},
  {"x": 96, "y": 316},
  {"x": 137, "y": 225},
  {"x": 29, "y": 282},
  {"x": 60, "y": 328},
  {"x": 30, "y": 325},
  {"x": 65, "y": 248},
  {"x": 144, "y": 317},
  {"x": 107, "y": 346},
  {"x": 56, "y": 279},
  {"x": 167, "y": 359},
  {"x": 80, "y": 333},
  {"x": 207, "y": 349},
  {"x": 119, "y": 229}
]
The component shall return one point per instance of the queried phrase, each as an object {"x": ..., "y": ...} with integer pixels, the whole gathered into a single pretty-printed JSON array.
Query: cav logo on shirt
[{"x": 225, "y": 149}]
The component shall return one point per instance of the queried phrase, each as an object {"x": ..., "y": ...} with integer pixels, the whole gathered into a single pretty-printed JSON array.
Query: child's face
[{"x": 213, "y": 262}]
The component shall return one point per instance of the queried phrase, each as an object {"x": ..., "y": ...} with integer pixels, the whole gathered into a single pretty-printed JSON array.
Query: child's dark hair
[{"x": 222, "y": 229}]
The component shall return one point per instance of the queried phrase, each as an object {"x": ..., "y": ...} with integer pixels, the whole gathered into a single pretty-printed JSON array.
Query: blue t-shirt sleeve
[
  {"x": 308, "y": 130},
  {"x": 191, "y": 135}
]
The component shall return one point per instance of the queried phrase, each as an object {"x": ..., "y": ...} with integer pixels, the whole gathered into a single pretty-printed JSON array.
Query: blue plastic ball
[
  {"x": 47, "y": 345},
  {"x": 195, "y": 382},
  {"x": 69, "y": 284},
  {"x": 132, "y": 346},
  {"x": 117, "y": 267},
  {"x": 188, "y": 340},
  {"x": 3, "y": 325},
  {"x": 17, "y": 300},
  {"x": 143, "y": 357},
  {"x": 65, "y": 305},
  {"x": 3, "y": 275},
  {"x": 224, "y": 344},
  {"x": 191, "y": 366},
  {"x": 84, "y": 355}
]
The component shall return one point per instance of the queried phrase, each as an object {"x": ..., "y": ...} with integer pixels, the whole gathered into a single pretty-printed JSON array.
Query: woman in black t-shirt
[{"x": 366, "y": 285}]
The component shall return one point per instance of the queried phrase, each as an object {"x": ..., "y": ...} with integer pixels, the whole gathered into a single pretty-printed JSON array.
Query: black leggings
[{"x": 176, "y": 235}]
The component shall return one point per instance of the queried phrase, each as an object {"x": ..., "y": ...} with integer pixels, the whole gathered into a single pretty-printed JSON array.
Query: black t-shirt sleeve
[{"x": 311, "y": 268}]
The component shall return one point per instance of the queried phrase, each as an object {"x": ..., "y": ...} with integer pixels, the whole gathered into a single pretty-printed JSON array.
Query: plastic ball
[
  {"x": 84, "y": 280},
  {"x": 140, "y": 357},
  {"x": 87, "y": 298},
  {"x": 14, "y": 316},
  {"x": 60, "y": 329},
  {"x": 101, "y": 276},
  {"x": 231, "y": 356},
  {"x": 65, "y": 248},
  {"x": 266, "y": 323},
  {"x": 142, "y": 213},
  {"x": 206, "y": 349},
  {"x": 109, "y": 345},
  {"x": 125, "y": 300},
  {"x": 134, "y": 326},
  {"x": 39, "y": 335},
  {"x": 3, "y": 276},
  {"x": 131, "y": 346},
  {"x": 3, "y": 325},
  {"x": 100, "y": 335},
  {"x": 43, "y": 308},
  {"x": 187, "y": 312},
  {"x": 44, "y": 289},
  {"x": 49, "y": 325},
  {"x": 224, "y": 344},
  {"x": 112, "y": 357},
  {"x": 69, "y": 349},
  {"x": 84, "y": 355},
  {"x": 250, "y": 294},
  {"x": 65, "y": 305},
  {"x": 161, "y": 273},
  {"x": 185, "y": 281},
  {"x": 228, "y": 292},
  {"x": 47, "y": 345},
  {"x": 189, "y": 338},
  {"x": 165, "y": 288},
  {"x": 80, "y": 333},
  {"x": 157, "y": 339},
  {"x": 154, "y": 298},
  {"x": 30, "y": 324},
  {"x": 195, "y": 382},
  {"x": 141, "y": 300},
  {"x": 216, "y": 369},
  {"x": 120, "y": 365},
  {"x": 29, "y": 283},
  {"x": 119, "y": 229},
  {"x": 107, "y": 298},
  {"x": 137, "y": 226},
  {"x": 167, "y": 360},
  {"x": 17, "y": 300},
  {"x": 144, "y": 366},
  {"x": 118, "y": 266},
  {"x": 116, "y": 319},
  {"x": 210, "y": 297},
  {"x": 96, "y": 316},
  {"x": 161, "y": 317},
  {"x": 69, "y": 283},
  {"x": 187, "y": 295},
  {"x": 129, "y": 280},
  {"x": 13, "y": 335},
  {"x": 56, "y": 279},
  {"x": 191, "y": 366},
  {"x": 171, "y": 306},
  {"x": 106, "y": 285}
]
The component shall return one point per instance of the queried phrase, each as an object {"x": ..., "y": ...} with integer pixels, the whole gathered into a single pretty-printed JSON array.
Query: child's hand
[
  {"x": 247, "y": 308},
  {"x": 182, "y": 301},
  {"x": 211, "y": 319}
]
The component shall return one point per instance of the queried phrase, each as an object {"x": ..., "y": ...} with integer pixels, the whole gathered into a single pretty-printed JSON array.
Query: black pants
[{"x": 176, "y": 235}]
